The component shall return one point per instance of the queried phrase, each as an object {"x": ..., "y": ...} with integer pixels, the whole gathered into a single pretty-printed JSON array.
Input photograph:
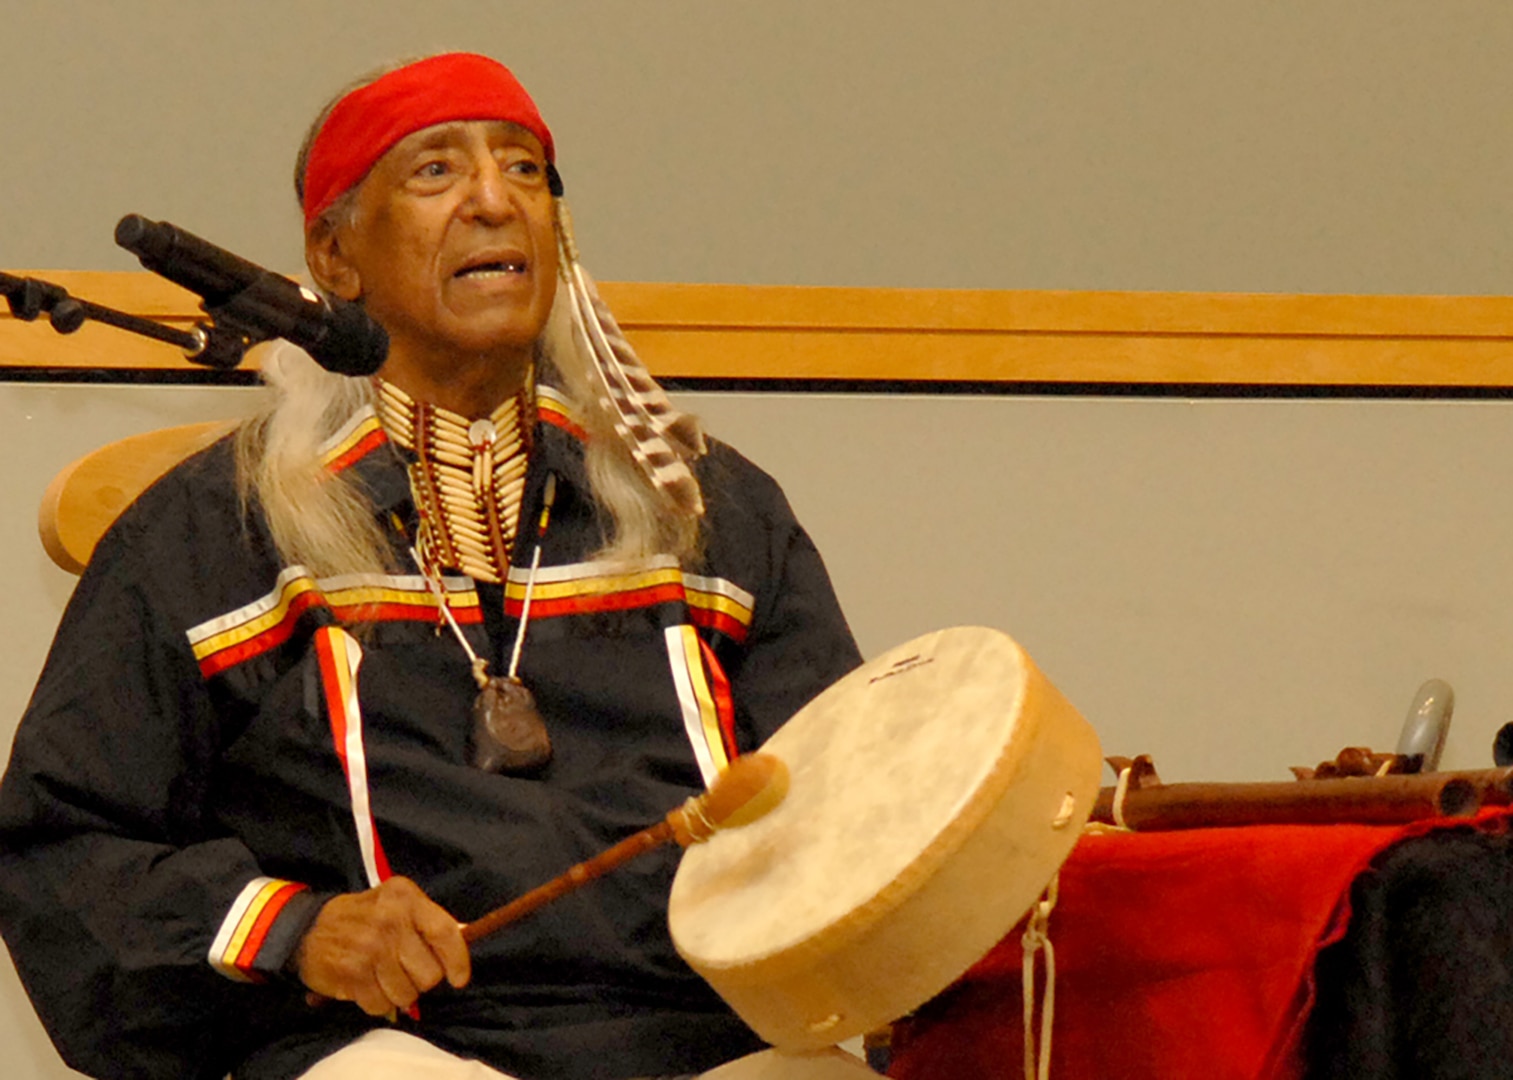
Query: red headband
[{"x": 365, "y": 124}]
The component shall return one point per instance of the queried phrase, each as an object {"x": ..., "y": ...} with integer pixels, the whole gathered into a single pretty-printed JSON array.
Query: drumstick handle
[
  {"x": 601, "y": 864},
  {"x": 749, "y": 788},
  {"x": 579, "y": 875}
]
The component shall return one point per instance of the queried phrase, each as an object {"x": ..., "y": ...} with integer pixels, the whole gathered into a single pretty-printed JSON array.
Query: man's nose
[{"x": 492, "y": 198}]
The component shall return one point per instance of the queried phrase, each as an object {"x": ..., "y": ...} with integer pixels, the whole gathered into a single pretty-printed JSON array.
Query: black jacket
[{"x": 178, "y": 802}]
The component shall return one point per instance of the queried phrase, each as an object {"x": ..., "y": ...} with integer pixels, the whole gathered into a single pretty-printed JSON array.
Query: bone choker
[{"x": 467, "y": 478}]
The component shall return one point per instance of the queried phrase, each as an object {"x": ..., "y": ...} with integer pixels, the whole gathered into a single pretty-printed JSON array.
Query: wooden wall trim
[{"x": 944, "y": 335}]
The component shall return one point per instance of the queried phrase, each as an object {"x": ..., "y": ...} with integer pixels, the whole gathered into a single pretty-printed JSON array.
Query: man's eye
[
  {"x": 525, "y": 166},
  {"x": 432, "y": 169}
]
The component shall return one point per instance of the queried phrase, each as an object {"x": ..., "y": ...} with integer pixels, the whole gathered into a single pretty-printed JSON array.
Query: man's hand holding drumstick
[{"x": 383, "y": 948}]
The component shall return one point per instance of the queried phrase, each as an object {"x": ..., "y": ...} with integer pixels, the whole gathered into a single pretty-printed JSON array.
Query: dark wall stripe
[
  {"x": 1087, "y": 389},
  {"x": 936, "y": 387},
  {"x": 130, "y": 376}
]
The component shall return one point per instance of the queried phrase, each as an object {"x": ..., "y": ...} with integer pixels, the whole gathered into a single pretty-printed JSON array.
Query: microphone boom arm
[
  {"x": 29, "y": 298},
  {"x": 246, "y": 304}
]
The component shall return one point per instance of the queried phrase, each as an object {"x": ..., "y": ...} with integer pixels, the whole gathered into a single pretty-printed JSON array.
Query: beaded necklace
[
  {"x": 468, "y": 478},
  {"x": 467, "y": 483}
]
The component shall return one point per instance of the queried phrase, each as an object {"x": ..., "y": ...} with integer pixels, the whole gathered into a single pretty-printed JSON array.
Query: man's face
[{"x": 453, "y": 248}]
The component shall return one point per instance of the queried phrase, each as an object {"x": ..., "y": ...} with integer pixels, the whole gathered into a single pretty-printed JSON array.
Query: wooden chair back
[{"x": 87, "y": 496}]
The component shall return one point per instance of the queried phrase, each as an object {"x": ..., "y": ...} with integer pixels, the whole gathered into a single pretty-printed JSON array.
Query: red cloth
[
  {"x": 365, "y": 124},
  {"x": 1179, "y": 954}
]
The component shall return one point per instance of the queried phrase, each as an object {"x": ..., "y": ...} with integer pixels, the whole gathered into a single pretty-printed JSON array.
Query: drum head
[
  {"x": 934, "y": 793},
  {"x": 775, "y": 1065}
]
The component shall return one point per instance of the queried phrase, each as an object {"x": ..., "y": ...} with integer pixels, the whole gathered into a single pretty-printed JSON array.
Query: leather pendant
[{"x": 509, "y": 735}]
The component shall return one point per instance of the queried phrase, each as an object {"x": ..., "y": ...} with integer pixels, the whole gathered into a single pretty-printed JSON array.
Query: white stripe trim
[
  {"x": 344, "y": 432},
  {"x": 688, "y": 702},
  {"x": 247, "y": 612},
  {"x": 603, "y": 568},
  {"x": 349, "y": 652},
  {"x": 229, "y": 924},
  {"x": 562, "y": 402},
  {"x": 587, "y": 571},
  {"x": 411, "y": 583},
  {"x": 721, "y": 587}
]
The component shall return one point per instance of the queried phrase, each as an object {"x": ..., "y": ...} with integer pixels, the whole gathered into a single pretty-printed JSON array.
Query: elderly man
[{"x": 405, "y": 648}]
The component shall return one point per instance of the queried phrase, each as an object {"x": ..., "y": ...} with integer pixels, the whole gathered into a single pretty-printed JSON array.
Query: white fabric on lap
[{"x": 386, "y": 1054}]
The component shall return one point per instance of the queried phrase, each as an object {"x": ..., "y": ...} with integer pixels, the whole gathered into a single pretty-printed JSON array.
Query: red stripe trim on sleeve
[
  {"x": 357, "y": 451},
  {"x": 270, "y": 638},
  {"x": 336, "y": 710},
  {"x": 718, "y": 620},
  {"x": 724, "y": 704},
  {"x": 548, "y": 415},
  {"x": 246, "y": 957},
  {"x": 578, "y": 605},
  {"x": 276, "y": 635}
]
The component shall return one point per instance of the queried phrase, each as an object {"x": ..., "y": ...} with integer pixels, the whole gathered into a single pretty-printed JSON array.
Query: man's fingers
[
  {"x": 443, "y": 935},
  {"x": 374, "y": 1001},
  {"x": 394, "y": 985},
  {"x": 420, "y": 963}
]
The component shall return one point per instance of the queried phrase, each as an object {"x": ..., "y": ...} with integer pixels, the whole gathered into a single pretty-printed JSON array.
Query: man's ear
[{"x": 328, "y": 262}]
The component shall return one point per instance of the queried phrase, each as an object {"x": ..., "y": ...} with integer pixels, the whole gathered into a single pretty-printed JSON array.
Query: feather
[{"x": 660, "y": 438}]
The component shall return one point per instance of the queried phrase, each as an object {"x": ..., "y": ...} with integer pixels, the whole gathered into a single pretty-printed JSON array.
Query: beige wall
[
  {"x": 1291, "y": 146},
  {"x": 1234, "y": 586}
]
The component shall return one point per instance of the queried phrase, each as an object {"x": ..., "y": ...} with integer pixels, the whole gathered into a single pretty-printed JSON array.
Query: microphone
[{"x": 249, "y": 304}]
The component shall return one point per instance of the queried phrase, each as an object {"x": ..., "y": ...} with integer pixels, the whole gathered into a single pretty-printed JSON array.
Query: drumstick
[{"x": 749, "y": 788}]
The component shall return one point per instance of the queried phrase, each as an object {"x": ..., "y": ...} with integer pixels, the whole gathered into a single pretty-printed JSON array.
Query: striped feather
[{"x": 661, "y": 439}]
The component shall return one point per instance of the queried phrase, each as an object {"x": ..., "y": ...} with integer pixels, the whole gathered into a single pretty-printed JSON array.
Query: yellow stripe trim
[
  {"x": 257, "y": 625},
  {"x": 721, "y": 603},
  {"x": 352, "y": 438},
  {"x": 549, "y": 398},
  {"x": 709, "y": 717},
  {"x": 351, "y": 596},
  {"x": 380, "y": 594},
  {"x": 341, "y": 653},
  {"x": 249, "y": 919},
  {"x": 596, "y": 586}
]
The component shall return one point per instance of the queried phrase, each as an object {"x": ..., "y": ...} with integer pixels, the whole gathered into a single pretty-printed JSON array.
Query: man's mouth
[{"x": 493, "y": 269}]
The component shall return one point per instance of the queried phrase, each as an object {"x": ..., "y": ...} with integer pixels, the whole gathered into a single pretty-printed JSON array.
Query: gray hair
[{"x": 328, "y": 525}]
